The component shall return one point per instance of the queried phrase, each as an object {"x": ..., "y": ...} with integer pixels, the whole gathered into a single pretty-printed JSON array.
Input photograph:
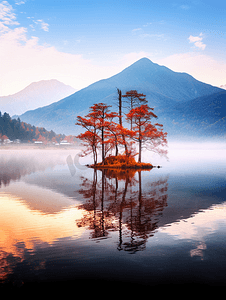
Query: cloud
[
  {"x": 44, "y": 26},
  {"x": 19, "y": 2},
  {"x": 24, "y": 60},
  {"x": 7, "y": 17},
  {"x": 149, "y": 35},
  {"x": 136, "y": 29},
  {"x": 147, "y": 24},
  {"x": 197, "y": 41}
]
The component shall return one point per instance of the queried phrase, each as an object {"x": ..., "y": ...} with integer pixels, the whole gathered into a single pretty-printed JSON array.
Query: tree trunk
[
  {"x": 116, "y": 149},
  {"x": 120, "y": 119},
  {"x": 120, "y": 106},
  {"x": 102, "y": 138},
  {"x": 139, "y": 158}
]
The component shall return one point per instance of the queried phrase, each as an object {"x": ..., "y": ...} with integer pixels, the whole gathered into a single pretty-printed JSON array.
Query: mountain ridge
[
  {"x": 163, "y": 88},
  {"x": 35, "y": 95}
]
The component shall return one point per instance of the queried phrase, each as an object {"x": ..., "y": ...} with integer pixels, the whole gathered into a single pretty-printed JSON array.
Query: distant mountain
[
  {"x": 35, "y": 95},
  {"x": 223, "y": 86},
  {"x": 163, "y": 88}
]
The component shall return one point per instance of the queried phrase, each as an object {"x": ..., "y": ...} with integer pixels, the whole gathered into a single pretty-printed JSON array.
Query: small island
[
  {"x": 121, "y": 162},
  {"x": 129, "y": 138}
]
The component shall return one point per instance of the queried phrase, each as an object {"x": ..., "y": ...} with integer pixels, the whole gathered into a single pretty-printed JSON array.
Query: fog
[
  {"x": 191, "y": 155},
  {"x": 182, "y": 157}
]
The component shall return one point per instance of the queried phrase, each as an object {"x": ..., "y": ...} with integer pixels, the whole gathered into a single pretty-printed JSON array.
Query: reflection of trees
[{"x": 117, "y": 202}]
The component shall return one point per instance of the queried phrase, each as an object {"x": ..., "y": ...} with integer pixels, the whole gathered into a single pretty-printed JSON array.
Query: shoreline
[{"x": 141, "y": 166}]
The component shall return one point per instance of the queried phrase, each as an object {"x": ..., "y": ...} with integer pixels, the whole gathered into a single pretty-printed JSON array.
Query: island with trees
[{"x": 118, "y": 140}]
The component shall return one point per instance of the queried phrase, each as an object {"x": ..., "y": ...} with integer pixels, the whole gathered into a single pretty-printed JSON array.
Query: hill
[
  {"x": 162, "y": 86},
  {"x": 35, "y": 95}
]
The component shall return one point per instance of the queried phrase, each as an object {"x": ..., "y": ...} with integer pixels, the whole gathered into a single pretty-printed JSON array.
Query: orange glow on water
[{"x": 20, "y": 224}]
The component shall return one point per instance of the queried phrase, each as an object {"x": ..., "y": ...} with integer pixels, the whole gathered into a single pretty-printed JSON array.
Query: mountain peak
[
  {"x": 143, "y": 62},
  {"x": 36, "y": 94},
  {"x": 162, "y": 87}
]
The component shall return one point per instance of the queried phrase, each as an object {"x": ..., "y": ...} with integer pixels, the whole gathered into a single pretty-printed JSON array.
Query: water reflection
[
  {"x": 116, "y": 202},
  {"x": 16, "y": 164},
  {"x": 22, "y": 228},
  {"x": 57, "y": 226}
]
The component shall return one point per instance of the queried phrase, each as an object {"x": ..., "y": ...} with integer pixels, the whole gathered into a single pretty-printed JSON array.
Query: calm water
[{"x": 62, "y": 222}]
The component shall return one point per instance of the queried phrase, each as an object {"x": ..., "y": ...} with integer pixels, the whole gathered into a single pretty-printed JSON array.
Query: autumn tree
[
  {"x": 116, "y": 136},
  {"x": 90, "y": 138},
  {"x": 134, "y": 99},
  {"x": 102, "y": 131},
  {"x": 96, "y": 122},
  {"x": 120, "y": 120},
  {"x": 90, "y": 141},
  {"x": 104, "y": 117},
  {"x": 146, "y": 134}
]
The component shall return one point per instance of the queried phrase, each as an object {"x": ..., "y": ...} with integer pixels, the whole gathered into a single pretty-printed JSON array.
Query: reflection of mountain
[
  {"x": 16, "y": 165},
  {"x": 115, "y": 206}
]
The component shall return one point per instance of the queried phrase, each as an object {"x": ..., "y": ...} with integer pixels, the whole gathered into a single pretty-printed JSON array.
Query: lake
[{"x": 64, "y": 223}]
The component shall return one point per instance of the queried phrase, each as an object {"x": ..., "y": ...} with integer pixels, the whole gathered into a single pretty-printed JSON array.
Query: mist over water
[{"x": 60, "y": 220}]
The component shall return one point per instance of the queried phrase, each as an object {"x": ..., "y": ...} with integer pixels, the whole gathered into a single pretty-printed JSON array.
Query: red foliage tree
[
  {"x": 96, "y": 121},
  {"x": 102, "y": 131},
  {"x": 133, "y": 98},
  {"x": 146, "y": 134}
]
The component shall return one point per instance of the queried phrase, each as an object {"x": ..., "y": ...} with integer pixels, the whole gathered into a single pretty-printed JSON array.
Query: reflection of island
[{"x": 117, "y": 202}]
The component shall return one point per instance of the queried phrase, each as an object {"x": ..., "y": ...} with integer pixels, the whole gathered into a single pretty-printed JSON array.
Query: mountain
[
  {"x": 223, "y": 86},
  {"x": 163, "y": 88},
  {"x": 203, "y": 116},
  {"x": 35, "y": 95}
]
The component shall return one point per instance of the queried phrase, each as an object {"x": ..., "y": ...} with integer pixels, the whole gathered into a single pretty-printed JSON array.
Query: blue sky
[{"x": 80, "y": 42}]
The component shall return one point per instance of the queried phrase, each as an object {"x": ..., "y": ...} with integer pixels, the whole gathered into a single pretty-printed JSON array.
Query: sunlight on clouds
[
  {"x": 18, "y": 223},
  {"x": 24, "y": 61},
  {"x": 199, "y": 225}
]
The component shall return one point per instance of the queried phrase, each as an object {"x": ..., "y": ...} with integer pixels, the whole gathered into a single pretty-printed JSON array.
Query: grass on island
[{"x": 122, "y": 162}]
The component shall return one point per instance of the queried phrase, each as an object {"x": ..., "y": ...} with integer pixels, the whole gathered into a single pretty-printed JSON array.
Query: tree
[
  {"x": 117, "y": 135},
  {"x": 98, "y": 119},
  {"x": 120, "y": 119},
  {"x": 90, "y": 138},
  {"x": 134, "y": 99},
  {"x": 90, "y": 141},
  {"x": 101, "y": 130},
  {"x": 104, "y": 116},
  {"x": 145, "y": 133}
]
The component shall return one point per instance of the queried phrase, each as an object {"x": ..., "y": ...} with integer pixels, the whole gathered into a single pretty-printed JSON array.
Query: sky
[{"x": 79, "y": 42}]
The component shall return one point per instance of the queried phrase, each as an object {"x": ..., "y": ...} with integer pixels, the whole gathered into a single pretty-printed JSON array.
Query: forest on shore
[{"x": 15, "y": 129}]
